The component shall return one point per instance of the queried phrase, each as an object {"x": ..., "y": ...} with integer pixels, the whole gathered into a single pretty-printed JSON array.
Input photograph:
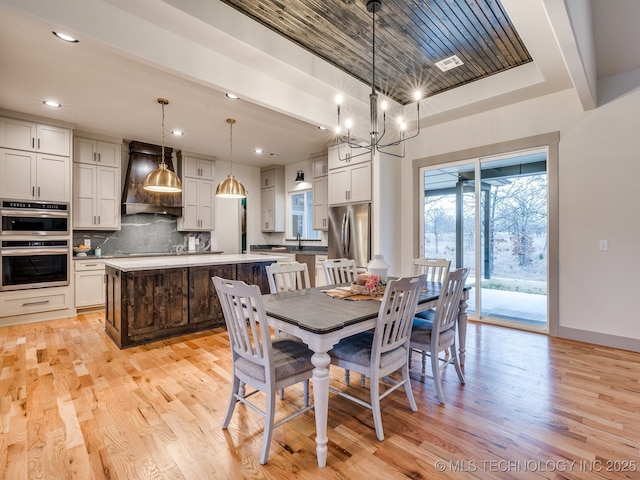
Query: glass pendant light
[
  {"x": 162, "y": 180},
  {"x": 231, "y": 188}
]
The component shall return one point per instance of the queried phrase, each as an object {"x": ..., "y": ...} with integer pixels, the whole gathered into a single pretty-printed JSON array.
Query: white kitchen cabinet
[
  {"x": 198, "y": 192},
  {"x": 34, "y": 176},
  {"x": 96, "y": 184},
  {"x": 198, "y": 198},
  {"x": 272, "y": 199},
  {"x": 339, "y": 157},
  {"x": 90, "y": 283},
  {"x": 96, "y": 197},
  {"x": 34, "y": 137},
  {"x": 196, "y": 167},
  {"x": 320, "y": 165},
  {"x": 320, "y": 203},
  {"x": 350, "y": 184},
  {"x": 37, "y": 300},
  {"x": 96, "y": 152}
]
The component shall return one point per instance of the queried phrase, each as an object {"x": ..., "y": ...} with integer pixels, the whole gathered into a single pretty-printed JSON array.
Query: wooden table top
[{"x": 313, "y": 310}]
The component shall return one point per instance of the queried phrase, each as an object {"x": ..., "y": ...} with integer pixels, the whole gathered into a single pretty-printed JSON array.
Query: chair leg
[
  {"x": 456, "y": 363},
  {"x": 374, "y": 387},
  {"x": 424, "y": 362},
  {"x": 435, "y": 366},
  {"x": 235, "y": 388},
  {"x": 281, "y": 392},
  {"x": 346, "y": 377},
  {"x": 270, "y": 410},
  {"x": 363, "y": 379},
  {"x": 407, "y": 387}
]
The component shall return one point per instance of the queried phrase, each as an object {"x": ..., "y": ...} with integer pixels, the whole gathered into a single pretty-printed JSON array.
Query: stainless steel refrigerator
[{"x": 350, "y": 233}]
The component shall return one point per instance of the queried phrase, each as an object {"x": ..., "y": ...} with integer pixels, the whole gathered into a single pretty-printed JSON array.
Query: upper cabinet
[
  {"x": 320, "y": 168},
  {"x": 342, "y": 156},
  {"x": 96, "y": 152},
  {"x": 34, "y": 161},
  {"x": 349, "y": 180},
  {"x": 198, "y": 192},
  {"x": 196, "y": 166},
  {"x": 34, "y": 176},
  {"x": 320, "y": 165},
  {"x": 96, "y": 184},
  {"x": 272, "y": 199},
  {"x": 34, "y": 137}
]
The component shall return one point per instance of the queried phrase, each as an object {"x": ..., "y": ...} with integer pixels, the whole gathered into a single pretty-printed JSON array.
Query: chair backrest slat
[
  {"x": 340, "y": 270},
  {"x": 287, "y": 276},
  {"x": 436, "y": 269}
]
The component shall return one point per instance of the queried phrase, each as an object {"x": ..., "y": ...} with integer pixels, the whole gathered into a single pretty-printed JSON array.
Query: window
[{"x": 301, "y": 215}]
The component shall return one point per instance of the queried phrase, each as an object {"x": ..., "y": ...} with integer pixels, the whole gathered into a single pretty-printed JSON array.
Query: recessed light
[
  {"x": 65, "y": 37},
  {"x": 177, "y": 132},
  {"x": 232, "y": 96},
  {"x": 257, "y": 150},
  {"x": 52, "y": 103}
]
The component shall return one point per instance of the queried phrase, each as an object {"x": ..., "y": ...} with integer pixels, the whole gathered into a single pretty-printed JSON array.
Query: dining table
[{"x": 321, "y": 319}]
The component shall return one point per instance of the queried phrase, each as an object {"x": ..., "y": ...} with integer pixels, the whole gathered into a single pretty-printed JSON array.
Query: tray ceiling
[{"x": 411, "y": 36}]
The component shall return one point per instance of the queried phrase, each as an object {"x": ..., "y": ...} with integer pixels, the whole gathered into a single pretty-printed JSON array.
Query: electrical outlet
[
  {"x": 604, "y": 245},
  {"x": 87, "y": 242}
]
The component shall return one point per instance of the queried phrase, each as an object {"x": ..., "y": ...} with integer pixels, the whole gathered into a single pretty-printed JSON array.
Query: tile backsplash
[{"x": 143, "y": 233}]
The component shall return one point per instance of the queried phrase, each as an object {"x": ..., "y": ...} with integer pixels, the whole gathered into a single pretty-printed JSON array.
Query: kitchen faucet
[{"x": 299, "y": 241}]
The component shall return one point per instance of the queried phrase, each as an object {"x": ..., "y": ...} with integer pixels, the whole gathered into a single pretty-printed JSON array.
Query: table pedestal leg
[
  {"x": 462, "y": 327},
  {"x": 321, "y": 361}
]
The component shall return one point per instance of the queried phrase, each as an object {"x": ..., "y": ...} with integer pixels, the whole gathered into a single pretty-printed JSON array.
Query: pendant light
[
  {"x": 162, "y": 180},
  {"x": 231, "y": 188}
]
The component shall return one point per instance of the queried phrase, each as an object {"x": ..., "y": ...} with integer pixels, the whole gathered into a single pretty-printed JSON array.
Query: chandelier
[{"x": 376, "y": 142}]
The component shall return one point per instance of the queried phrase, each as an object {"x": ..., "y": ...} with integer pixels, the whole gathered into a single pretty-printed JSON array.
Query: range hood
[{"x": 143, "y": 158}]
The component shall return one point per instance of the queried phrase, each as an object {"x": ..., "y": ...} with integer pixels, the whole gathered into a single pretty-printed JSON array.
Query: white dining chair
[
  {"x": 264, "y": 364},
  {"x": 287, "y": 276},
  {"x": 340, "y": 270},
  {"x": 384, "y": 351},
  {"x": 441, "y": 335},
  {"x": 436, "y": 270},
  {"x": 283, "y": 277}
]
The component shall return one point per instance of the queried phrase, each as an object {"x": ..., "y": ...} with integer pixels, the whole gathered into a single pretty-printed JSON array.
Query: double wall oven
[{"x": 34, "y": 245}]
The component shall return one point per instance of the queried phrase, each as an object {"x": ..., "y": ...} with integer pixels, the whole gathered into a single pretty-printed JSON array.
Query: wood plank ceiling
[{"x": 411, "y": 36}]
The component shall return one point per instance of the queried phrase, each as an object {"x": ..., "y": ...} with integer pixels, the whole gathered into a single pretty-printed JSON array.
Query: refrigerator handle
[
  {"x": 343, "y": 227},
  {"x": 347, "y": 235}
]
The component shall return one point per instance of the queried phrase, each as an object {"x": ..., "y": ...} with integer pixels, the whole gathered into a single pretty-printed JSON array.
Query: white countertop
[{"x": 178, "y": 261}]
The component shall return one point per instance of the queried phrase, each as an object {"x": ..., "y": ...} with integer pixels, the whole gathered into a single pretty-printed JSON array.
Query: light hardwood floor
[{"x": 74, "y": 406}]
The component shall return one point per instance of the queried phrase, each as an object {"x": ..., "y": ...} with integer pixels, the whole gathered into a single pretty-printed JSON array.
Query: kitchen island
[{"x": 157, "y": 297}]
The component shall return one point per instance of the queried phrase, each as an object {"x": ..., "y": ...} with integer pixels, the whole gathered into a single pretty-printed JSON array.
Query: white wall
[{"x": 599, "y": 168}]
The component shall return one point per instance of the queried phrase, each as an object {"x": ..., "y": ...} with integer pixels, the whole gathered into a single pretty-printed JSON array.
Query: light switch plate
[{"x": 604, "y": 245}]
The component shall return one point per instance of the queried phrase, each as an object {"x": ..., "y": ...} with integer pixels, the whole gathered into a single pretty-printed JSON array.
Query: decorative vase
[{"x": 379, "y": 267}]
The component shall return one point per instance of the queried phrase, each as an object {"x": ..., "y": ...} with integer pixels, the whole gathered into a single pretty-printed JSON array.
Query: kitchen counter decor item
[{"x": 81, "y": 250}]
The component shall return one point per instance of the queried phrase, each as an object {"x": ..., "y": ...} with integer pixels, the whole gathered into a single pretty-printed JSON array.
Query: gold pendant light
[
  {"x": 231, "y": 188},
  {"x": 162, "y": 180}
]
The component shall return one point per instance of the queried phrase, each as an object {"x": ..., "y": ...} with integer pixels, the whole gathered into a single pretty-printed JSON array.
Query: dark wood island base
[{"x": 146, "y": 305}]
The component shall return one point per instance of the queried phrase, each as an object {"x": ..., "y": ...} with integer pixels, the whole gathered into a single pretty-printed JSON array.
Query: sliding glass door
[{"x": 490, "y": 215}]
